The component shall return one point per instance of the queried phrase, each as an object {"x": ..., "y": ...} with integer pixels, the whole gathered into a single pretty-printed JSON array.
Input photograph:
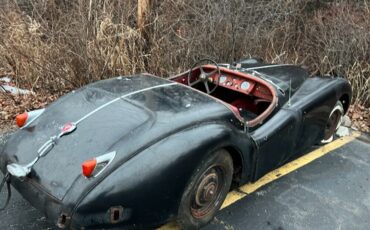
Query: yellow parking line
[{"x": 234, "y": 195}]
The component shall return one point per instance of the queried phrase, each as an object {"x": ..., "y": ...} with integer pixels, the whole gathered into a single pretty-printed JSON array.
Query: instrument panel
[{"x": 236, "y": 83}]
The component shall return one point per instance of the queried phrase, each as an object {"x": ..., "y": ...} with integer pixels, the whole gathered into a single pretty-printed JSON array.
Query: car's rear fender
[{"x": 149, "y": 186}]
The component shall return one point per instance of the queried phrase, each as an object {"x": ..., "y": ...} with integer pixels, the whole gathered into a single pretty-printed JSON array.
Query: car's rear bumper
[
  {"x": 38, "y": 198},
  {"x": 53, "y": 209}
]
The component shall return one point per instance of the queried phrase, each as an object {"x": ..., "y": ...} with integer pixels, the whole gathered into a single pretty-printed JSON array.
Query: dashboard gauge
[
  {"x": 223, "y": 78},
  {"x": 244, "y": 85}
]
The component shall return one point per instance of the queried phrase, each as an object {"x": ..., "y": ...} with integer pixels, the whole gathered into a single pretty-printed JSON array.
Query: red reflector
[
  {"x": 88, "y": 167},
  {"x": 21, "y": 119}
]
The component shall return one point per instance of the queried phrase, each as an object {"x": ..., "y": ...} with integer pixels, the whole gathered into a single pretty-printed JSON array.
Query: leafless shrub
[
  {"x": 58, "y": 44},
  {"x": 69, "y": 44}
]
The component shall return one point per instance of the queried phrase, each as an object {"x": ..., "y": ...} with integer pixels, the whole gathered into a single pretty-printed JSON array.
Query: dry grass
[{"x": 58, "y": 45}]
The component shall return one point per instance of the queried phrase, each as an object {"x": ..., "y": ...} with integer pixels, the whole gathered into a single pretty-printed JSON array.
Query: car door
[{"x": 275, "y": 141}]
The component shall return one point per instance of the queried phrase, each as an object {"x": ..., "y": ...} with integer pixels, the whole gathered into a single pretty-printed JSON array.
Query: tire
[
  {"x": 206, "y": 191},
  {"x": 333, "y": 123}
]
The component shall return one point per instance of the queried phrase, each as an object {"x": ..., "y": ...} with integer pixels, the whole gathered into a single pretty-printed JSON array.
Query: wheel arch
[
  {"x": 238, "y": 164},
  {"x": 165, "y": 179},
  {"x": 345, "y": 100}
]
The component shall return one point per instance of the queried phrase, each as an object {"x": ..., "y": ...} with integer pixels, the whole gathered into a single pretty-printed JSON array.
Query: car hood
[
  {"x": 282, "y": 77},
  {"x": 125, "y": 114}
]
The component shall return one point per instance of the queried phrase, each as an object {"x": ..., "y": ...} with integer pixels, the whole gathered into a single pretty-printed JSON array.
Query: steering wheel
[{"x": 204, "y": 76}]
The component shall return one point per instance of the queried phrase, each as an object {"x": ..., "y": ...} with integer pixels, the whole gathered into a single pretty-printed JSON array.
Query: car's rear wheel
[
  {"x": 206, "y": 191},
  {"x": 333, "y": 123}
]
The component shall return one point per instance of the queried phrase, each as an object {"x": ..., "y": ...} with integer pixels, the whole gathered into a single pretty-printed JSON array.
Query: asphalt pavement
[{"x": 332, "y": 192}]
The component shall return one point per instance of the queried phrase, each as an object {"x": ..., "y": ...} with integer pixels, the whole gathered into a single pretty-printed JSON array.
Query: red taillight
[
  {"x": 88, "y": 167},
  {"x": 94, "y": 167},
  {"x": 21, "y": 119}
]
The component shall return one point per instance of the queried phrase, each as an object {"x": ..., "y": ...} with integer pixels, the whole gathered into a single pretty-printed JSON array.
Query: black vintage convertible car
[{"x": 139, "y": 151}]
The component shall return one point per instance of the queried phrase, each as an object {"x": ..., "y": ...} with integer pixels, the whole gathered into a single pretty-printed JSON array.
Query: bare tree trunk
[{"x": 143, "y": 10}]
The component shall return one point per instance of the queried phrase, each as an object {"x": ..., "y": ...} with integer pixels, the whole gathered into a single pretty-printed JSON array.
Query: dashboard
[
  {"x": 233, "y": 82},
  {"x": 236, "y": 83},
  {"x": 244, "y": 86}
]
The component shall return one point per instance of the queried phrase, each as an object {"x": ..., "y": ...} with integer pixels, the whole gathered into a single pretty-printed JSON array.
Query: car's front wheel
[
  {"x": 206, "y": 191},
  {"x": 333, "y": 123}
]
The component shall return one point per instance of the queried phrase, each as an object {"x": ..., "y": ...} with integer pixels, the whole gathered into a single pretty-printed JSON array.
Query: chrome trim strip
[
  {"x": 108, "y": 158},
  {"x": 266, "y": 66}
]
